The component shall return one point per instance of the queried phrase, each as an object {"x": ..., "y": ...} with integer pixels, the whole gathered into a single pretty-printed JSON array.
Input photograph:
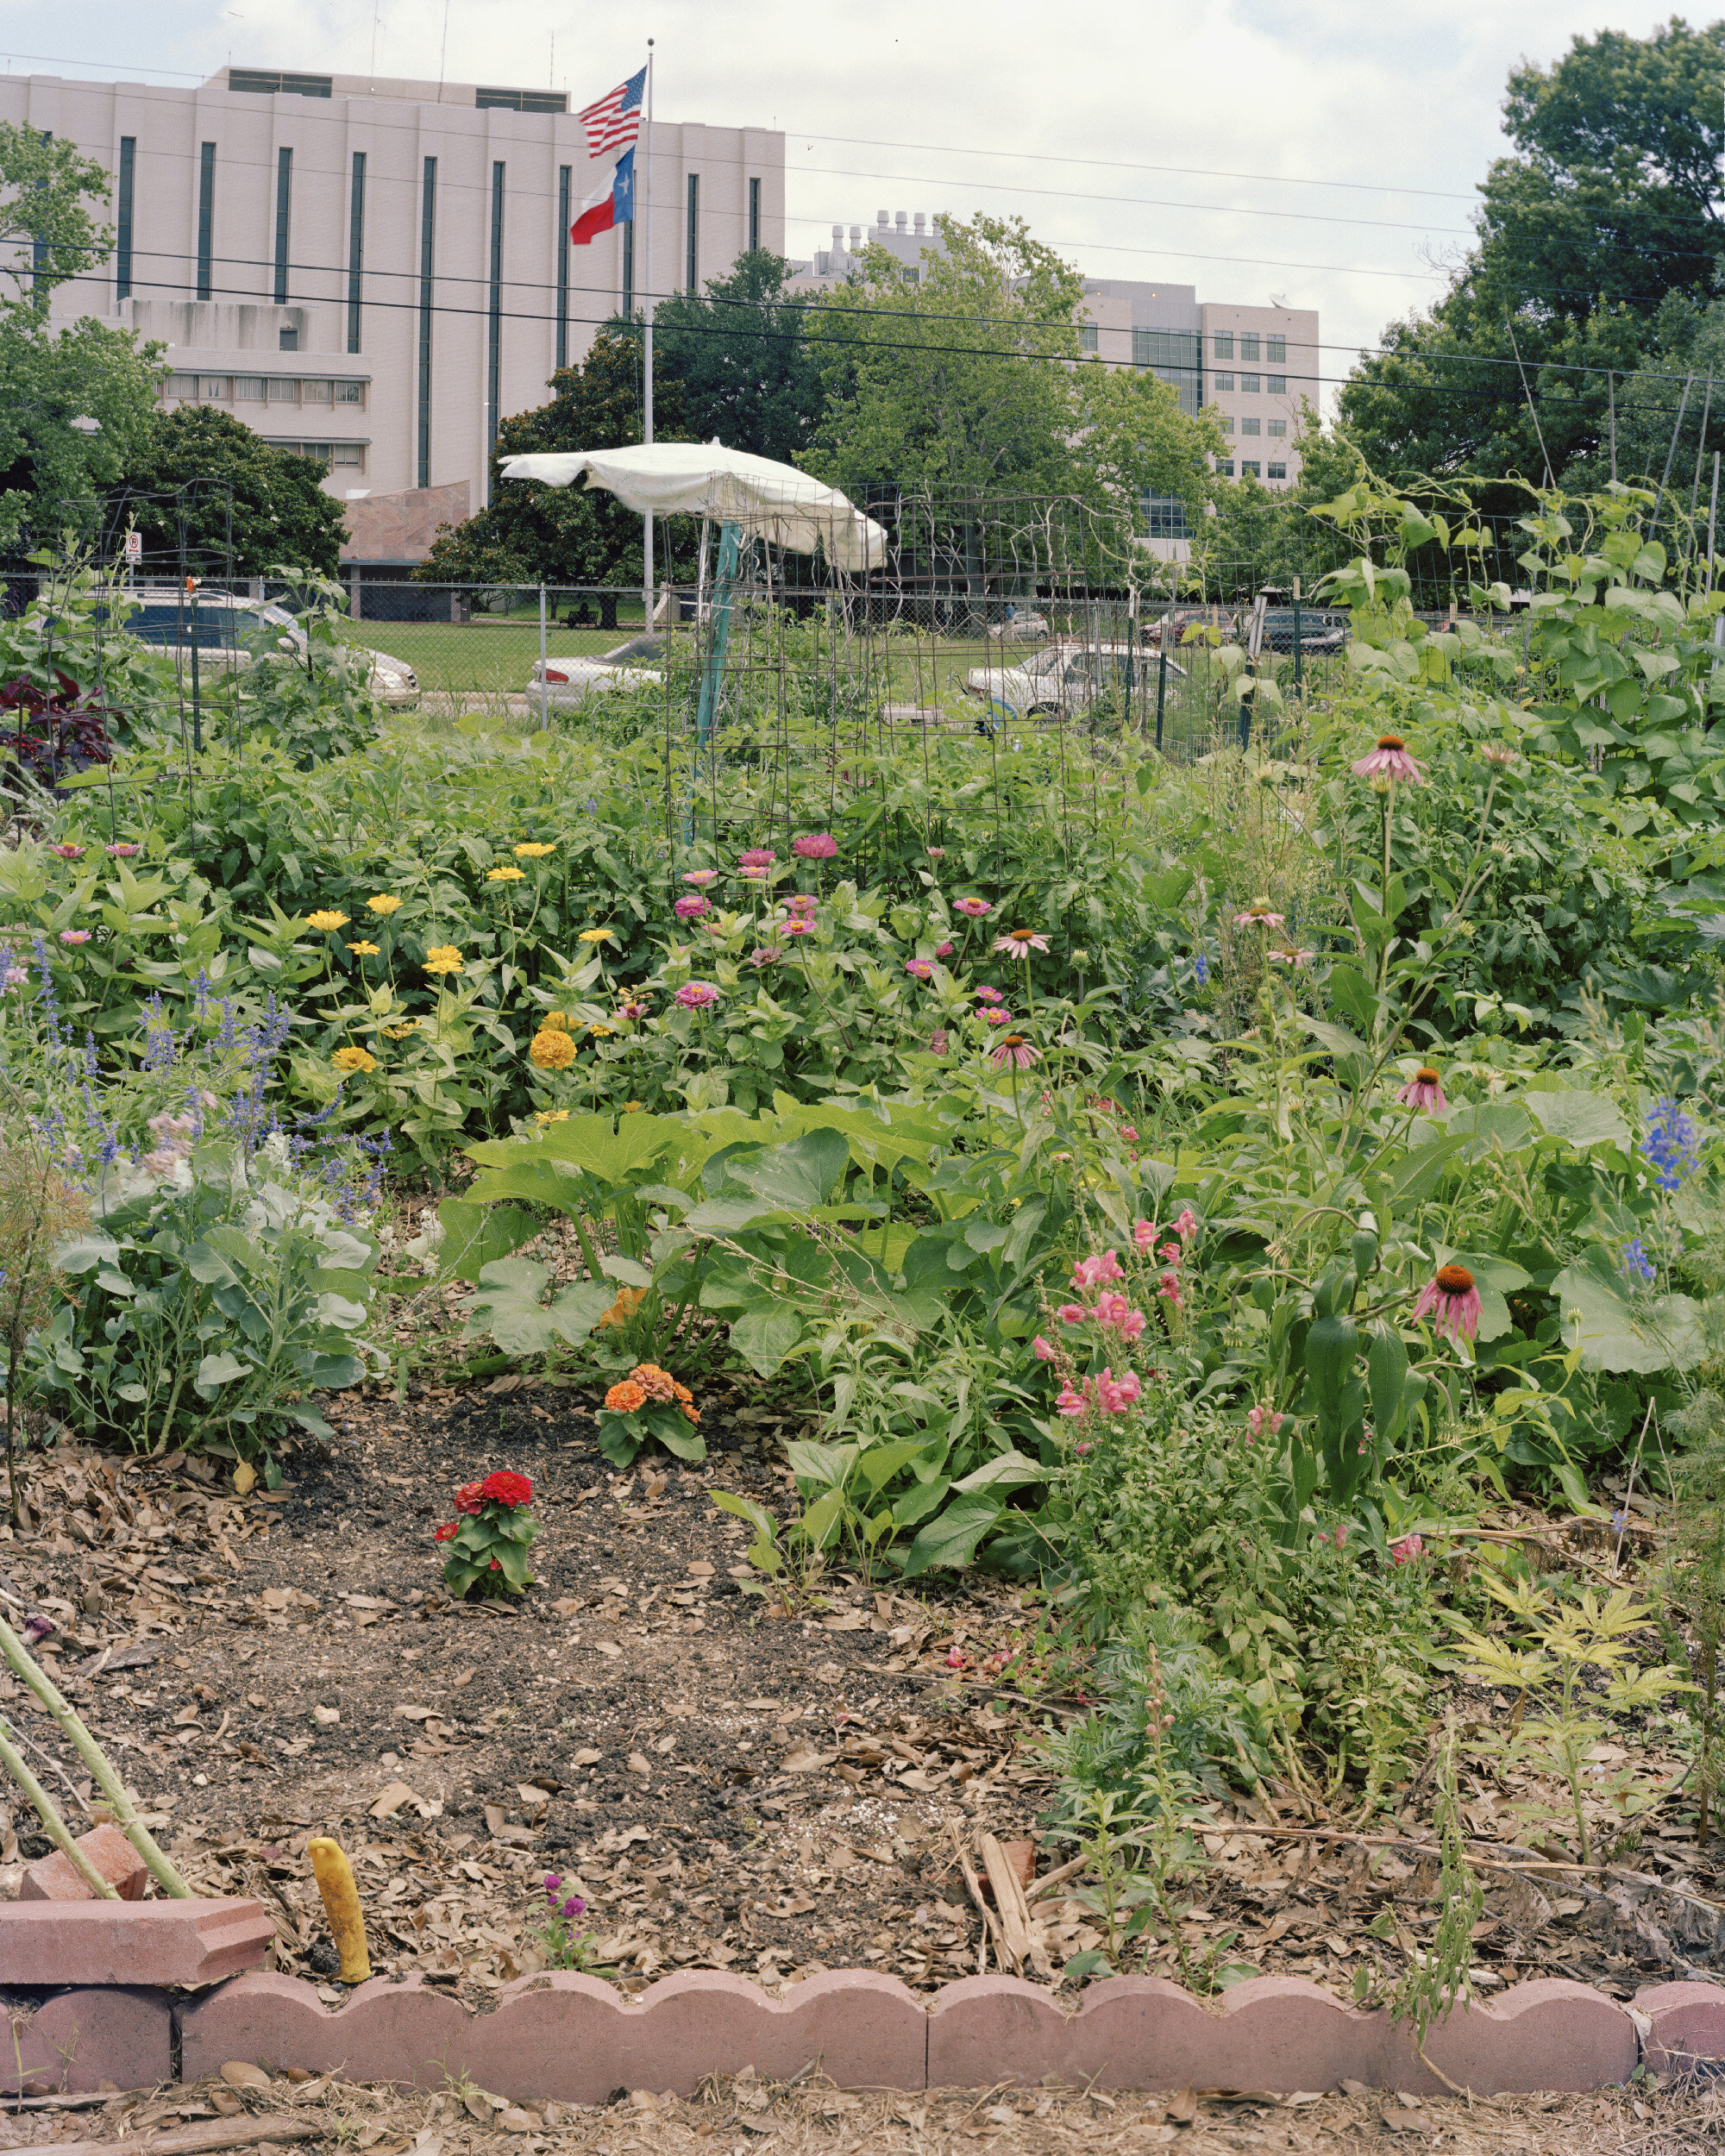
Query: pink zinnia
[
  {"x": 691, "y": 909},
  {"x": 918, "y": 969},
  {"x": 986, "y": 995},
  {"x": 1072, "y": 1313},
  {"x": 1406, "y": 1549},
  {"x": 815, "y": 846},
  {"x": 1097, "y": 1270},
  {"x": 756, "y": 857},
  {"x": 1390, "y": 760},
  {"x": 753, "y": 875},
  {"x": 1424, "y": 1091},
  {"x": 695, "y": 995},
  {"x": 1452, "y": 1301},
  {"x": 633, "y": 1009},
  {"x": 700, "y": 877},
  {"x": 801, "y": 902},
  {"x": 1015, "y": 1049},
  {"x": 1018, "y": 943},
  {"x": 937, "y": 852},
  {"x": 122, "y": 853},
  {"x": 937, "y": 1042},
  {"x": 1044, "y": 1350},
  {"x": 74, "y": 935},
  {"x": 68, "y": 853},
  {"x": 995, "y": 1017},
  {"x": 943, "y": 950},
  {"x": 973, "y": 909},
  {"x": 800, "y": 926}
]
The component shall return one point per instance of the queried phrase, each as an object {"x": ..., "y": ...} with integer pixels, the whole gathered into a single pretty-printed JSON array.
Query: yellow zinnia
[
  {"x": 601, "y": 1033},
  {"x": 533, "y": 851},
  {"x": 554, "y": 1022},
  {"x": 363, "y": 950},
  {"x": 401, "y": 1032},
  {"x": 505, "y": 875},
  {"x": 596, "y": 935},
  {"x": 552, "y": 1051},
  {"x": 546, "y": 1116},
  {"x": 442, "y": 958},
  {"x": 353, "y": 1059},
  {"x": 383, "y": 903},
  {"x": 328, "y": 921}
]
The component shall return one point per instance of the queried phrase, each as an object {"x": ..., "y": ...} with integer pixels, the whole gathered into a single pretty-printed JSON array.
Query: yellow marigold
[
  {"x": 442, "y": 958},
  {"x": 363, "y": 950},
  {"x": 383, "y": 903},
  {"x": 626, "y": 1398},
  {"x": 552, "y": 1051},
  {"x": 554, "y": 1022},
  {"x": 353, "y": 1059},
  {"x": 505, "y": 875},
  {"x": 328, "y": 921},
  {"x": 533, "y": 850},
  {"x": 596, "y": 935},
  {"x": 545, "y": 1118}
]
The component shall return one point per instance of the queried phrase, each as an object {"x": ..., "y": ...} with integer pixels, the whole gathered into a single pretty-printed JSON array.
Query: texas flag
[{"x": 613, "y": 204}]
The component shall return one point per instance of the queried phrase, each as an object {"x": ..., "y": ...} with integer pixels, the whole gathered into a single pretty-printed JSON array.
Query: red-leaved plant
[{"x": 488, "y": 1542}]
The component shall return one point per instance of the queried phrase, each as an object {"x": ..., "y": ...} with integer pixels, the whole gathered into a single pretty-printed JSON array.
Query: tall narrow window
[
  {"x": 565, "y": 174},
  {"x": 629, "y": 267},
  {"x": 284, "y": 194},
  {"x": 428, "y": 234},
  {"x": 494, "y": 317},
  {"x": 123, "y": 246},
  {"x": 691, "y": 278},
  {"x": 356, "y": 248},
  {"x": 206, "y": 214},
  {"x": 38, "y": 257},
  {"x": 754, "y": 214}
]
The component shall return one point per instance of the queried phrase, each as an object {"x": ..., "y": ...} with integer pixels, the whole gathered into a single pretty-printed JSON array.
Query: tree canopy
[
  {"x": 191, "y": 462},
  {"x": 742, "y": 361}
]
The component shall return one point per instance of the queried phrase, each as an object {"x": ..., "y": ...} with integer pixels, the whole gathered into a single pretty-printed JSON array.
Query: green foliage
[
  {"x": 739, "y": 354},
  {"x": 1692, "y": 1577},
  {"x": 201, "y": 459}
]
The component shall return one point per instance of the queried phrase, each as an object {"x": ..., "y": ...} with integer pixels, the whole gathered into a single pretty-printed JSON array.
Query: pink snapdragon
[
  {"x": 1258, "y": 1420},
  {"x": 1098, "y": 1270},
  {"x": 1072, "y": 1313},
  {"x": 1071, "y": 1402},
  {"x": 1187, "y": 1225},
  {"x": 1114, "y": 1311},
  {"x": 1406, "y": 1549},
  {"x": 1116, "y": 1395},
  {"x": 1170, "y": 1289},
  {"x": 1044, "y": 1350},
  {"x": 1144, "y": 1233}
]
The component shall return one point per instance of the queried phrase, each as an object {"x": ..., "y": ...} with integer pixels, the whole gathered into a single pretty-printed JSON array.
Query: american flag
[{"x": 613, "y": 123}]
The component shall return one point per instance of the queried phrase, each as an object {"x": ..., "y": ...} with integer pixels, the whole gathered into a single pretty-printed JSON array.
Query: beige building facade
[{"x": 375, "y": 272}]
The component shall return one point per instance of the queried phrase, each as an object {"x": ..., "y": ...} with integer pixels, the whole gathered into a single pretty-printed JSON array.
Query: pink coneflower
[
  {"x": 937, "y": 852},
  {"x": 693, "y": 908},
  {"x": 1452, "y": 1301},
  {"x": 756, "y": 857},
  {"x": 1390, "y": 760},
  {"x": 801, "y": 926},
  {"x": 986, "y": 995},
  {"x": 700, "y": 877},
  {"x": 74, "y": 935},
  {"x": 918, "y": 969},
  {"x": 766, "y": 954},
  {"x": 973, "y": 909},
  {"x": 123, "y": 852},
  {"x": 1424, "y": 1092},
  {"x": 1096, "y": 1271},
  {"x": 1015, "y": 1050},
  {"x": 1406, "y": 1549},
  {"x": 1496, "y": 753},
  {"x": 1044, "y": 1350},
  {"x": 1258, "y": 915},
  {"x": 937, "y": 1042},
  {"x": 1018, "y": 943},
  {"x": 68, "y": 853},
  {"x": 1289, "y": 957},
  {"x": 815, "y": 846},
  {"x": 696, "y": 995}
]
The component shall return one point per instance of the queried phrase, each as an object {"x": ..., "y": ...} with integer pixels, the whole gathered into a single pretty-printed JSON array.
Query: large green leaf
[
  {"x": 952, "y": 1537},
  {"x": 1010, "y": 1469},
  {"x": 763, "y": 1337},
  {"x": 1580, "y": 1119},
  {"x": 605, "y": 1147},
  {"x": 1616, "y": 1331},
  {"x": 508, "y": 1308},
  {"x": 476, "y": 1236}
]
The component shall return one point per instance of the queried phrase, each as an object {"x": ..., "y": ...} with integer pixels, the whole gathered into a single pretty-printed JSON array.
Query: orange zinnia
[{"x": 626, "y": 1398}]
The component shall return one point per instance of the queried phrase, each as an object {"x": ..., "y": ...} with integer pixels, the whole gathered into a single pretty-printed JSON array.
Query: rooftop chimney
[
  {"x": 855, "y": 237},
  {"x": 880, "y": 219},
  {"x": 900, "y": 220},
  {"x": 920, "y": 220}
]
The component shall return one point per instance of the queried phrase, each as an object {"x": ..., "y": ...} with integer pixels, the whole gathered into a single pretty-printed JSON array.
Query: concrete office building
[{"x": 375, "y": 272}]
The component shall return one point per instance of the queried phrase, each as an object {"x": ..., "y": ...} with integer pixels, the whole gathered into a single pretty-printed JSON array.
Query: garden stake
[
  {"x": 13, "y": 1760},
  {"x": 125, "y": 1812},
  {"x": 334, "y": 1876}
]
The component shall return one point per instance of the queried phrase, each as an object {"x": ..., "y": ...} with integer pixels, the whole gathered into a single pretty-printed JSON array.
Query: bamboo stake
[{"x": 13, "y": 1760}]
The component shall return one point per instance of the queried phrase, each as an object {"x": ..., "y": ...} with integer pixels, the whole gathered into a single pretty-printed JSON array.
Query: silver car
[
  {"x": 1063, "y": 680},
  {"x": 218, "y": 624},
  {"x": 568, "y": 682}
]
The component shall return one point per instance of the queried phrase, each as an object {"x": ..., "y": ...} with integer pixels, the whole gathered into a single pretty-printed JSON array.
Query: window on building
[
  {"x": 283, "y": 196},
  {"x": 1087, "y": 336},
  {"x": 427, "y": 241},
  {"x": 692, "y": 264},
  {"x": 180, "y": 385},
  {"x": 494, "y": 310},
  {"x": 1164, "y": 516},
  {"x": 315, "y": 392},
  {"x": 267, "y": 82},
  {"x": 1226, "y": 467},
  {"x": 122, "y": 246},
  {"x": 350, "y": 393},
  {"x": 1276, "y": 384},
  {"x": 349, "y": 453},
  {"x": 754, "y": 214},
  {"x": 287, "y": 340},
  {"x": 565, "y": 218},
  {"x": 1276, "y": 471},
  {"x": 213, "y": 388},
  {"x": 1227, "y": 425},
  {"x": 1222, "y": 381},
  {"x": 1249, "y": 426},
  {"x": 356, "y": 246},
  {"x": 1249, "y": 385},
  {"x": 1276, "y": 350},
  {"x": 1248, "y": 344},
  {"x": 521, "y": 100},
  {"x": 206, "y": 215},
  {"x": 1173, "y": 356},
  {"x": 283, "y": 389},
  {"x": 249, "y": 389},
  {"x": 1248, "y": 469},
  {"x": 1278, "y": 426},
  {"x": 1225, "y": 344}
]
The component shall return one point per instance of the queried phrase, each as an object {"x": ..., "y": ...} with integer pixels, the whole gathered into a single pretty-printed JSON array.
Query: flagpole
[{"x": 646, "y": 356}]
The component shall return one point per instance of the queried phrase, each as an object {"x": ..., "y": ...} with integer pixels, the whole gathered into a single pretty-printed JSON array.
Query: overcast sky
[{"x": 1330, "y": 149}]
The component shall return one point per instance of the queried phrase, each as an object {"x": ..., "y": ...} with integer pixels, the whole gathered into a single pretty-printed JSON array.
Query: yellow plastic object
[{"x": 334, "y": 1876}]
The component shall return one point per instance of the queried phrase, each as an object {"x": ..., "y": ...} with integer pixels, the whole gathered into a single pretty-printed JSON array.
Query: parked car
[
  {"x": 1065, "y": 679},
  {"x": 218, "y": 624},
  {"x": 1320, "y": 630},
  {"x": 637, "y": 664},
  {"x": 1174, "y": 626},
  {"x": 1022, "y": 626}
]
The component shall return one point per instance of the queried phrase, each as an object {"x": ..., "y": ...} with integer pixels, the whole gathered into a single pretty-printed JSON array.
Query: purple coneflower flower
[
  {"x": 1452, "y": 1301},
  {"x": 1258, "y": 915},
  {"x": 1019, "y": 942},
  {"x": 1424, "y": 1092},
  {"x": 1015, "y": 1049},
  {"x": 1298, "y": 958},
  {"x": 1390, "y": 760}
]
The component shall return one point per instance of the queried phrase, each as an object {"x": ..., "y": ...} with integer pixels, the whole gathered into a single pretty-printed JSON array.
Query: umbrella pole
[{"x": 712, "y": 669}]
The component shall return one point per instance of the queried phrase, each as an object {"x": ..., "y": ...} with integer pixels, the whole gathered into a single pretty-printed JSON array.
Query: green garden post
[
  {"x": 712, "y": 670},
  {"x": 544, "y": 687},
  {"x": 1161, "y": 684},
  {"x": 1299, "y": 671}
]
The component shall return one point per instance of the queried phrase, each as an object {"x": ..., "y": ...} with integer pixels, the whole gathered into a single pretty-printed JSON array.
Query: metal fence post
[
  {"x": 1299, "y": 670},
  {"x": 1161, "y": 683},
  {"x": 544, "y": 687}
]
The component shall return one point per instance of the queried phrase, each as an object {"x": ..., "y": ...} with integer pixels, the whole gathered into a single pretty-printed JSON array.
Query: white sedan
[
  {"x": 218, "y": 623},
  {"x": 566, "y": 683},
  {"x": 1066, "y": 679}
]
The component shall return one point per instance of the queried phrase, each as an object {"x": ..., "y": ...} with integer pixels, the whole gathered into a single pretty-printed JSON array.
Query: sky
[{"x": 1320, "y": 155}]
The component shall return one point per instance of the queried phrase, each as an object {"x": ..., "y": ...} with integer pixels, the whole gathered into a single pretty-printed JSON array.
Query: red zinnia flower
[
  {"x": 447, "y": 1533},
  {"x": 506, "y": 1488},
  {"x": 469, "y": 1497}
]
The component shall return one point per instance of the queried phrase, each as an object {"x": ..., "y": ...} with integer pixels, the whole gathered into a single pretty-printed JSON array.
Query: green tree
[
  {"x": 54, "y": 464},
  {"x": 1133, "y": 439},
  {"x": 566, "y": 535},
  {"x": 741, "y": 355},
  {"x": 180, "y": 479}
]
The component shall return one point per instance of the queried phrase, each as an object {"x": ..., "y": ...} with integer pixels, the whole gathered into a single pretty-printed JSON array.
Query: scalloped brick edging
[{"x": 577, "y": 2039}]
